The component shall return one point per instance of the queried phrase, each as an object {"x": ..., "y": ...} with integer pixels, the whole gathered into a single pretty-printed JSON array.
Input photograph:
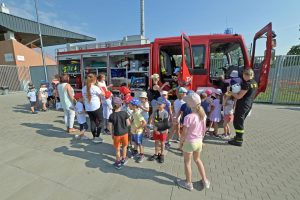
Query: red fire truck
[{"x": 202, "y": 59}]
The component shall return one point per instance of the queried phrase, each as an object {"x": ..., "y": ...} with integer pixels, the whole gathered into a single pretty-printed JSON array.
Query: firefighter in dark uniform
[{"x": 243, "y": 106}]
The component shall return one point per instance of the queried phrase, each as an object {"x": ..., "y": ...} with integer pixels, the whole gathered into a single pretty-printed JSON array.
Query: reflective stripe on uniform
[{"x": 239, "y": 131}]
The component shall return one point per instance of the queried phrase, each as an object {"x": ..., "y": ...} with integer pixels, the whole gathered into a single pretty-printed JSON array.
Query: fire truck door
[
  {"x": 187, "y": 62},
  {"x": 261, "y": 65}
]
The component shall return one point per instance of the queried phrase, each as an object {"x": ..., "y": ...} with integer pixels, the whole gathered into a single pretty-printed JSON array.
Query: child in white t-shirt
[
  {"x": 107, "y": 109},
  {"x": 175, "y": 121},
  {"x": 81, "y": 117},
  {"x": 31, "y": 95}
]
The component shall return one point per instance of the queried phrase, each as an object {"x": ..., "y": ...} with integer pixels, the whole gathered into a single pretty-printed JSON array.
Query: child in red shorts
[
  {"x": 118, "y": 123},
  {"x": 160, "y": 122},
  {"x": 228, "y": 108}
]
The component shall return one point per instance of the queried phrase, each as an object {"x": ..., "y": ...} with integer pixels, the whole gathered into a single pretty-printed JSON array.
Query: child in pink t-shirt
[{"x": 194, "y": 128}]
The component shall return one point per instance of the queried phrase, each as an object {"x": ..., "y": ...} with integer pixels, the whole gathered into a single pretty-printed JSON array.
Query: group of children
[
  {"x": 164, "y": 121},
  {"x": 213, "y": 102},
  {"x": 35, "y": 96},
  {"x": 128, "y": 120}
]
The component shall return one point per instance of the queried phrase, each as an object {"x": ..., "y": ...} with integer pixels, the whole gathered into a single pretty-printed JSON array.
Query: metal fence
[
  {"x": 37, "y": 74},
  {"x": 284, "y": 81},
  {"x": 17, "y": 78}
]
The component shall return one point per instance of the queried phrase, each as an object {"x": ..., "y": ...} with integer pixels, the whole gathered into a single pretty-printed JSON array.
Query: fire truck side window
[
  {"x": 187, "y": 54},
  {"x": 170, "y": 57},
  {"x": 199, "y": 55}
]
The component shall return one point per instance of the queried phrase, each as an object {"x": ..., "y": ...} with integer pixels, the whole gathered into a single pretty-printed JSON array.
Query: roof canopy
[{"x": 27, "y": 32}]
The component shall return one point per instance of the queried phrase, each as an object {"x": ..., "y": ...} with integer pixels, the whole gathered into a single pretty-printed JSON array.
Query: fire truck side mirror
[
  {"x": 273, "y": 34},
  {"x": 274, "y": 43}
]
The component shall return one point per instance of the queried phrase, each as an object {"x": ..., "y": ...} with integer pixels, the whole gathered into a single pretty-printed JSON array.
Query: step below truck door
[
  {"x": 262, "y": 45},
  {"x": 187, "y": 62}
]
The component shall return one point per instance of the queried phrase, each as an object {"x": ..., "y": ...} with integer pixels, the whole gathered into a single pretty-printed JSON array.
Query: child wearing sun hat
[{"x": 193, "y": 133}]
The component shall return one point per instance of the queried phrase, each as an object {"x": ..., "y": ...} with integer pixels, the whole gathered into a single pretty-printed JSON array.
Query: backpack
[{"x": 161, "y": 124}]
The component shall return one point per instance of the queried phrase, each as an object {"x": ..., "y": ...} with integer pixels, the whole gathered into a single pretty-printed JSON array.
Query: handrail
[{"x": 100, "y": 45}]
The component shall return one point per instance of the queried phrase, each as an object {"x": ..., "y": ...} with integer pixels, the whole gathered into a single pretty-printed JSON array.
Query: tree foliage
[{"x": 295, "y": 50}]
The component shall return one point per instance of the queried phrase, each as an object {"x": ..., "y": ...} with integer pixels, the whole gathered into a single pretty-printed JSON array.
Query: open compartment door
[
  {"x": 261, "y": 64},
  {"x": 187, "y": 62}
]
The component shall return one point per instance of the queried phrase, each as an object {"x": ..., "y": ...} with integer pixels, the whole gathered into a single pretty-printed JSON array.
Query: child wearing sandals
[
  {"x": 118, "y": 123},
  {"x": 193, "y": 133}
]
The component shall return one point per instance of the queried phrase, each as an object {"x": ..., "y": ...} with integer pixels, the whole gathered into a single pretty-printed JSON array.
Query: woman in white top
[
  {"x": 91, "y": 95},
  {"x": 66, "y": 95}
]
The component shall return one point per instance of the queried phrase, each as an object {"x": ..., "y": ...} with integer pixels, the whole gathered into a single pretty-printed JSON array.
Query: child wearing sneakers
[
  {"x": 126, "y": 108},
  {"x": 228, "y": 108},
  {"x": 194, "y": 128},
  {"x": 81, "y": 118},
  {"x": 107, "y": 109},
  {"x": 43, "y": 96},
  {"x": 215, "y": 114},
  {"x": 137, "y": 127},
  {"x": 118, "y": 123},
  {"x": 176, "y": 126},
  {"x": 160, "y": 122},
  {"x": 144, "y": 107},
  {"x": 31, "y": 95}
]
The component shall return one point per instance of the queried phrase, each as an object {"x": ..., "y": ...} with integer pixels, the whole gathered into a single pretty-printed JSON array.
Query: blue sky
[{"x": 113, "y": 19}]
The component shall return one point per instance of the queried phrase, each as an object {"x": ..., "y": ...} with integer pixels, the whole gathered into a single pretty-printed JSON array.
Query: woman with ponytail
[
  {"x": 194, "y": 127},
  {"x": 91, "y": 95}
]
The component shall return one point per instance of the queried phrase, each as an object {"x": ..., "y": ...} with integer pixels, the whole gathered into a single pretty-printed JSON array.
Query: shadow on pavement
[
  {"x": 48, "y": 130},
  {"x": 25, "y": 108},
  {"x": 214, "y": 140},
  {"x": 290, "y": 108},
  {"x": 175, "y": 151},
  {"x": 101, "y": 156}
]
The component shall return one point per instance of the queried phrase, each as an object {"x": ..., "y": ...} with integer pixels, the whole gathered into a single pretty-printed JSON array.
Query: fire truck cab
[{"x": 206, "y": 60}]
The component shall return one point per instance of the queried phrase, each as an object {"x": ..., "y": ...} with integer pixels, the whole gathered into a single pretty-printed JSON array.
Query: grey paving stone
[
  {"x": 13, "y": 179},
  {"x": 38, "y": 189},
  {"x": 39, "y": 160}
]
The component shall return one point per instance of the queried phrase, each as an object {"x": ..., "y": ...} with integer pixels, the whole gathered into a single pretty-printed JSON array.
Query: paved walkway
[{"x": 38, "y": 160}]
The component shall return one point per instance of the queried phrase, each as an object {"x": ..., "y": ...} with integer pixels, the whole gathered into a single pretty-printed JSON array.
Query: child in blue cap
[{"x": 137, "y": 127}]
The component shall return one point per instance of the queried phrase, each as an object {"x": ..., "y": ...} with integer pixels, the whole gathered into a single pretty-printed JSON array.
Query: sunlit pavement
[{"x": 39, "y": 160}]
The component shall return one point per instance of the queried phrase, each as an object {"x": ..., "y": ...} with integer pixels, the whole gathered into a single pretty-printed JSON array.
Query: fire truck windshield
[{"x": 224, "y": 56}]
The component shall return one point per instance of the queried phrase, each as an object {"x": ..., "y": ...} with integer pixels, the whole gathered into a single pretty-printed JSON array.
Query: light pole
[
  {"x": 41, "y": 40},
  {"x": 142, "y": 7}
]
